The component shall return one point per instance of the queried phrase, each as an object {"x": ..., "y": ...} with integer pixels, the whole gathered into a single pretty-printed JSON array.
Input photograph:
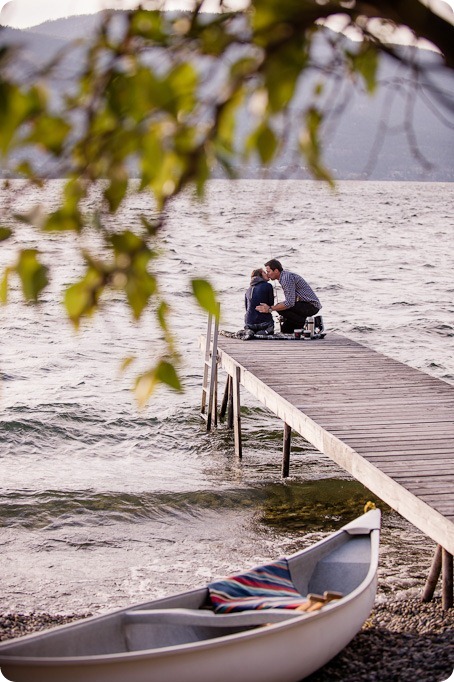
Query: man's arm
[{"x": 266, "y": 308}]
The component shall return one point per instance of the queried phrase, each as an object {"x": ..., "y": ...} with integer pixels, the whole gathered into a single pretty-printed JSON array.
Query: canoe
[{"x": 182, "y": 638}]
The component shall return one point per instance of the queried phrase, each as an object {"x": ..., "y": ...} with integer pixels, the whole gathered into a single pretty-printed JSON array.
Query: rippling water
[{"x": 102, "y": 504}]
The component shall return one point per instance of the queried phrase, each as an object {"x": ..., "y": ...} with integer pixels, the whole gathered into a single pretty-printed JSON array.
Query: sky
[{"x": 25, "y": 13}]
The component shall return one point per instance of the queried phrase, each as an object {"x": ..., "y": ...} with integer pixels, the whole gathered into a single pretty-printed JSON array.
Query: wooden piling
[
  {"x": 236, "y": 413},
  {"x": 447, "y": 578},
  {"x": 215, "y": 394},
  {"x": 434, "y": 574},
  {"x": 286, "y": 450},
  {"x": 230, "y": 405},
  {"x": 225, "y": 399}
]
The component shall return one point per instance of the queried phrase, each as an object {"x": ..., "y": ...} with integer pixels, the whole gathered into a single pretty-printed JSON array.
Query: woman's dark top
[{"x": 259, "y": 292}]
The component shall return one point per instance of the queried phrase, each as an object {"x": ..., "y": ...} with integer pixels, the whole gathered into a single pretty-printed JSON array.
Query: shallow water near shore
[{"x": 102, "y": 504}]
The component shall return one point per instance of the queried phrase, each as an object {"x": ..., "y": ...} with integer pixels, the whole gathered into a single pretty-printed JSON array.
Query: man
[{"x": 299, "y": 303}]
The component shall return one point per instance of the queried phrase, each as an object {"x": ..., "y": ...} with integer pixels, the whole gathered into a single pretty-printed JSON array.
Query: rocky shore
[{"x": 403, "y": 640}]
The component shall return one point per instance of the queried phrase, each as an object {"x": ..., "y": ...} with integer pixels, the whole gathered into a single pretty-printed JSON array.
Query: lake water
[{"x": 102, "y": 504}]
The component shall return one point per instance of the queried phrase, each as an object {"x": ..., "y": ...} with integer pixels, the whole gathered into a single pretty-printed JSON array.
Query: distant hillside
[
  {"x": 70, "y": 28},
  {"x": 357, "y": 128}
]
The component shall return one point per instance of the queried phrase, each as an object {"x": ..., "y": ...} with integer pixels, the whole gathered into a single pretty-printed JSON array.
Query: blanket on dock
[{"x": 246, "y": 335}]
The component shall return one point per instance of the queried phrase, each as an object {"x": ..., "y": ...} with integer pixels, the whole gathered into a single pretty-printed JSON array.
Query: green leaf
[
  {"x": 202, "y": 174},
  {"x": 266, "y": 143},
  {"x": 127, "y": 362},
  {"x": 81, "y": 299},
  {"x": 4, "y": 286},
  {"x": 64, "y": 220},
  {"x": 32, "y": 273},
  {"x": 132, "y": 256},
  {"x": 205, "y": 295},
  {"x": 152, "y": 154},
  {"x": 227, "y": 119},
  {"x": 139, "y": 288},
  {"x": 17, "y": 106},
  {"x": 183, "y": 82},
  {"x": 161, "y": 314},
  {"x": 148, "y": 25},
  {"x": 243, "y": 67},
  {"x": 127, "y": 242},
  {"x": 168, "y": 177},
  {"x": 365, "y": 62},
  {"x": 214, "y": 38},
  {"x": 116, "y": 191},
  {"x": 68, "y": 217},
  {"x": 282, "y": 70},
  {"x": 25, "y": 168},
  {"x": 166, "y": 373},
  {"x": 151, "y": 227},
  {"x": 310, "y": 145},
  {"x": 5, "y": 233},
  {"x": 49, "y": 132},
  {"x": 144, "y": 387}
]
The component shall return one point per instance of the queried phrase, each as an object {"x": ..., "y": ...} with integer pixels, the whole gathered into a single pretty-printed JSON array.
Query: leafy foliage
[
  {"x": 159, "y": 96},
  {"x": 205, "y": 295}
]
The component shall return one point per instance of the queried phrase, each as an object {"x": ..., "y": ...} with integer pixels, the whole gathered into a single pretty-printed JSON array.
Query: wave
[{"x": 291, "y": 504}]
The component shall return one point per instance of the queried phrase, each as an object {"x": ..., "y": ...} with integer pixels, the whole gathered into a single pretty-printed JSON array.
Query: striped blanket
[{"x": 264, "y": 587}]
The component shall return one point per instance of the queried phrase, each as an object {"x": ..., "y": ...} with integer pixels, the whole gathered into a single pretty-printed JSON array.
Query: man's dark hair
[{"x": 274, "y": 265}]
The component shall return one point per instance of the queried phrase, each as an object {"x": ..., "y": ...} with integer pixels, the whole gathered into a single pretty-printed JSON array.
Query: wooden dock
[{"x": 387, "y": 424}]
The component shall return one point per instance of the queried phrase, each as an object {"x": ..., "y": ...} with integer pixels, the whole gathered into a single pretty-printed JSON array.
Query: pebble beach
[{"x": 403, "y": 640}]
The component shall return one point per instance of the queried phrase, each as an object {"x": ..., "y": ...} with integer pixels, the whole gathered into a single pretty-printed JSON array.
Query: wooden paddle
[{"x": 317, "y": 601}]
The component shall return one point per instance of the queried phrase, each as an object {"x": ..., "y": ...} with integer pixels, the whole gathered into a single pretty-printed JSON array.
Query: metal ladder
[{"x": 208, "y": 410}]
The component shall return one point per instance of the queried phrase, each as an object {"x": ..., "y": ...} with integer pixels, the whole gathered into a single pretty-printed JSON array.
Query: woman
[{"x": 260, "y": 291}]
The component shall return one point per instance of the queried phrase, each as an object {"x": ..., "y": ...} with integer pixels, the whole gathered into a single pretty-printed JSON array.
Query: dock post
[
  {"x": 230, "y": 405},
  {"x": 212, "y": 390},
  {"x": 227, "y": 403},
  {"x": 215, "y": 394},
  {"x": 434, "y": 573},
  {"x": 447, "y": 586},
  {"x": 286, "y": 450},
  {"x": 225, "y": 399},
  {"x": 236, "y": 413}
]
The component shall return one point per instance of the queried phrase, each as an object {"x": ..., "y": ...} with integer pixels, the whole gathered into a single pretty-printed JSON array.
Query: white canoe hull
[{"x": 110, "y": 648}]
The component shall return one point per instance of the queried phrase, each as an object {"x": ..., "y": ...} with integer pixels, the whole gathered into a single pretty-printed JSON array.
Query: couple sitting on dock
[{"x": 300, "y": 301}]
